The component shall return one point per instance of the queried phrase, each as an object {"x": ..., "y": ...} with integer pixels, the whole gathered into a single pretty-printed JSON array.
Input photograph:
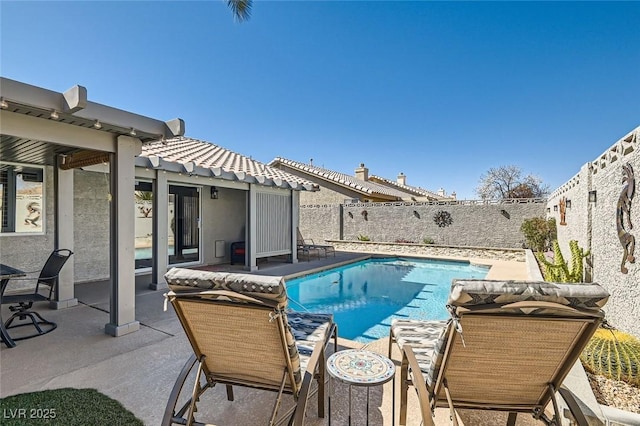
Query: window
[
  {"x": 22, "y": 206},
  {"x": 144, "y": 224}
]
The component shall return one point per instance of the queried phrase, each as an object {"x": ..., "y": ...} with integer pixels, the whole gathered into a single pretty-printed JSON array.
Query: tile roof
[
  {"x": 187, "y": 155},
  {"x": 359, "y": 185},
  {"x": 414, "y": 190}
]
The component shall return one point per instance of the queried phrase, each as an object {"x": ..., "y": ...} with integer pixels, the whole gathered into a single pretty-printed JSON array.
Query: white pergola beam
[
  {"x": 27, "y": 127},
  {"x": 75, "y": 101}
]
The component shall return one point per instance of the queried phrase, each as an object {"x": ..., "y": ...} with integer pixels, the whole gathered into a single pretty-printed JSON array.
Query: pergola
[{"x": 66, "y": 131}]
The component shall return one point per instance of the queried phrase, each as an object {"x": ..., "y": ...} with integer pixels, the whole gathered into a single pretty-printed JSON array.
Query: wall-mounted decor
[
  {"x": 350, "y": 215},
  {"x": 563, "y": 211},
  {"x": 623, "y": 214},
  {"x": 416, "y": 214},
  {"x": 593, "y": 196},
  {"x": 443, "y": 218},
  {"x": 365, "y": 214}
]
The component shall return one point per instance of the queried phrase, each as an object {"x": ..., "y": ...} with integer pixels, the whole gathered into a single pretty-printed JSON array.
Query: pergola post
[
  {"x": 295, "y": 219},
  {"x": 160, "y": 231},
  {"x": 63, "y": 184},
  {"x": 252, "y": 240},
  {"x": 122, "y": 250}
]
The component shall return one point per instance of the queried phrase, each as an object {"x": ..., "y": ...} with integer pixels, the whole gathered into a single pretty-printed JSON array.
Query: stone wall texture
[
  {"x": 475, "y": 223},
  {"x": 430, "y": 250},
  {"x": 91, "y": 225},
  {"x": 594, "y": 226}
]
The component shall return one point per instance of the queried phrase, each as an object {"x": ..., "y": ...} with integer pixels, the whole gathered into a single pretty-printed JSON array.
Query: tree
[
  {"x": 241, "y": 9},
  {"x": 507, "y": 182}
]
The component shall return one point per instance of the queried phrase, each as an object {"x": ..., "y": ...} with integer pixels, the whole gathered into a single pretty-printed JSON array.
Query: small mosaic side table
[{"x": 357, "y": 367}]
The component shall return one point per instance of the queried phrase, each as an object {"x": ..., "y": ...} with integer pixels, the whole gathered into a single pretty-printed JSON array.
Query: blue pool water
[{"x": 365, "y": 296}]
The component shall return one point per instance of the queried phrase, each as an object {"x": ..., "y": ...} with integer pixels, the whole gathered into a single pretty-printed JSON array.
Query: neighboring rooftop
[
  {"x": 401, "y": 184},
  {"x": 355, "y": 183},
  {"x": 202, "y": 158},
  {"x": 362, "y": 182}
]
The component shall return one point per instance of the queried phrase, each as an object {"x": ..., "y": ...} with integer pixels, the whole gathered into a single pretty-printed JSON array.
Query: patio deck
[{"x": 139, "y": 369}]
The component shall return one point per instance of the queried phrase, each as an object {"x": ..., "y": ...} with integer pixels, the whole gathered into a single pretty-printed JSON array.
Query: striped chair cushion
[
  {"x": 481, "y": 292},
  {"x": 308, "y": 329},
  {"x": 427, "y": 339},
  {"x": 270, "y": 289}
]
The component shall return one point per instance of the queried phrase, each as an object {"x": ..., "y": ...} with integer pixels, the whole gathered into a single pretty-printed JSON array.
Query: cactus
[
  {"x": 559, "y": 271},
  {"x": 577, "y": 265},
  {"x": 613, "y": 354}
]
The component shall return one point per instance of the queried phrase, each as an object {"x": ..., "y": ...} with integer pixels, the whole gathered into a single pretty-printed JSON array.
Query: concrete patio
[{"x": 139, "y": 369}]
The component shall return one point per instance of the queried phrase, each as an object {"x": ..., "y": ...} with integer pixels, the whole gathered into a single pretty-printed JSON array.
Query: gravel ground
[{"x": 615, "y": 394}]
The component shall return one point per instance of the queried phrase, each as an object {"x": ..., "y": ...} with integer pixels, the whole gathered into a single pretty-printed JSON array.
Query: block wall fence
[
  {"x": 594, "y": 224},
  {"x": 474, "y": 223}
]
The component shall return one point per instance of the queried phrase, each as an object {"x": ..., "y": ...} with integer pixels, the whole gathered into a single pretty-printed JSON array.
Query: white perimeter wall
[{"x": 593, "y": 225}]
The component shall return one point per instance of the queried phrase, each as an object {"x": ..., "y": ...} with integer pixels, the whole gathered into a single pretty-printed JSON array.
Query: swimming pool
[{"x": 365, "y": 296}]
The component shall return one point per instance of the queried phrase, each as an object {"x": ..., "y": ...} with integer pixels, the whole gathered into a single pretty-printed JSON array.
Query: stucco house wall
[
  {"x": 28, "y": 252},
  {"x": 327, "y": 196},
  {"x": 222, "y": 219},
  {"x": 594, "y": 225},
  {"x": 576, "y": 227}
]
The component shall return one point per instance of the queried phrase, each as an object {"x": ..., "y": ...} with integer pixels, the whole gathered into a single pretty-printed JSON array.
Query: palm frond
[{"x": 241, "y": 9}]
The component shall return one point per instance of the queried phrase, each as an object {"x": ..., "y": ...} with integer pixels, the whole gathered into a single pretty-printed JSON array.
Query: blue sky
[{"x": 440, "y": 91}]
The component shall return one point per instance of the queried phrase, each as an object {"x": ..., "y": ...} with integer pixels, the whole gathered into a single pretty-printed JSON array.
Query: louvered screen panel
[{"x": 273, "y": 227}]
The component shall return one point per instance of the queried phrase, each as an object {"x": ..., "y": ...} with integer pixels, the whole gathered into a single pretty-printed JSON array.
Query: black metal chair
[{"x": 21, "y": 303}]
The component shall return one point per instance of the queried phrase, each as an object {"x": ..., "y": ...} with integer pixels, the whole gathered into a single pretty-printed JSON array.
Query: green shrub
[
  {"x": 539, "y": 232},
  {"x": 363, "y": 238},
  {"x": 428, "y": 240}
]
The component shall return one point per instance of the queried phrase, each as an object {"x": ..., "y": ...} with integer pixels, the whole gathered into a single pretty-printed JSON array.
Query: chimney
[
  {"x": 453, "y": 195},
  {"x": 441, "y": 192},
  {"x": 402, "y": 179},
  {"x": 362, "y": 172}
]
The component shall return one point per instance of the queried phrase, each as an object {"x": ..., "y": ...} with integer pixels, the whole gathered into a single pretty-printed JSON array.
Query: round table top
[{"x": 360, "y": 367}]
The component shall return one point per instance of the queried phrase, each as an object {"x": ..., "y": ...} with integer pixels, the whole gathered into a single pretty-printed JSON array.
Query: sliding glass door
[{"x": 184, "y": 224}]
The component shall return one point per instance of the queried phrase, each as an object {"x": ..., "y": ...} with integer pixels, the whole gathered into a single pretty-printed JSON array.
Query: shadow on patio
[{"x": 139, "y": 369}]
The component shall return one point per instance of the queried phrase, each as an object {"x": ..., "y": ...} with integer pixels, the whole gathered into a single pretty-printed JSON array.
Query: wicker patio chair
[
  {"x": 242, "y": 335},
  {"x": 508, "y": 347}
]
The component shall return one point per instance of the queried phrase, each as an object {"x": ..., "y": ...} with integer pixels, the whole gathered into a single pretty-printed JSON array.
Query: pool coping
[{"x": 498, "y": 269}]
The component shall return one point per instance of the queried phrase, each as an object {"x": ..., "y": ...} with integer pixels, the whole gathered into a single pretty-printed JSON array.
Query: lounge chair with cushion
[
  {"x": 309, "y": 244},
  {"x": 242, "y": 335},
  {"x": 307, "y": 252},
  {"x": 508, "y": 347}
]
